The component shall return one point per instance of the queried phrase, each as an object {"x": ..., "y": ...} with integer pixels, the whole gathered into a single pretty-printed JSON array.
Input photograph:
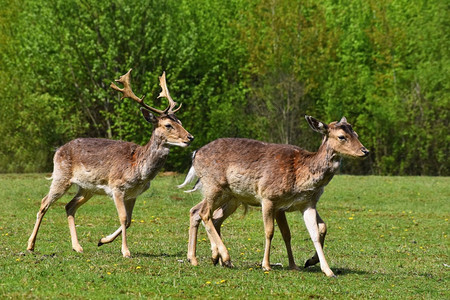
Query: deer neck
[
  {"x": 323, "y": 164},
  {"x": 151, "y": 157}
]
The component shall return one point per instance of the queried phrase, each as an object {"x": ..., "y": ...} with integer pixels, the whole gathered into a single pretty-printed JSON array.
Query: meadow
[{"x": 387, "y": 238}]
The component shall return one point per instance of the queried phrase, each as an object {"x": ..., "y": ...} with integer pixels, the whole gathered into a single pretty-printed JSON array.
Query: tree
[{"x": 289, "y": 46}]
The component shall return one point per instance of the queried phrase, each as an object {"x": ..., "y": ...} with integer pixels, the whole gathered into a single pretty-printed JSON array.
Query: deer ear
[
  {"x": 343, "y": 120},
  {"x": 149, "y": 117},
  {"x": 316, "y": 125}
]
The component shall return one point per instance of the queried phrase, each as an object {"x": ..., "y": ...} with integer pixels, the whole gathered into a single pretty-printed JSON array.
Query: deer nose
[
  {"x": 365, "y": 151},
  {"x": 190, "y": 138}
]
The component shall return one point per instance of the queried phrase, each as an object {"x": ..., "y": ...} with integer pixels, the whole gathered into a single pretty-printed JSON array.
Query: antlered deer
[
  {"x": 280, "y": 178},
  {"x": 122, "y": 170}
]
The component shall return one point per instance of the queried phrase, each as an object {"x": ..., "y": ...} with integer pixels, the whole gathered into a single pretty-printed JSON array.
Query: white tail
[
  {"x": 190, "y": 175},
  {"x": 119, "y": 169},
  {"x": 279, "y": 178}
]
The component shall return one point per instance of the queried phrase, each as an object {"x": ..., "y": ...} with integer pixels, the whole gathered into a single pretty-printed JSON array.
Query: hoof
[
  {"x": 227, "y": 264},
  {"x": 294, "y": 268},
  {"x": 215, "y": 260},
  {"x": 329, "y": 273},
  {"x": 100, "y": 244},
  {"x": 193, "y": 261},
  {"x": 126, "y": 253}
]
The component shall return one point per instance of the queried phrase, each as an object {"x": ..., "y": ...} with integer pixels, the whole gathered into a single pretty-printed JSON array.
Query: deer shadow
[
  {"x": 312, "y": 269},
  {"x": 337, "y": 271},
  {"x": 156, "y": 255}
]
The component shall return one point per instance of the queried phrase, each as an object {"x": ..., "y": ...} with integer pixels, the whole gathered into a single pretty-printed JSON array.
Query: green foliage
[
  {"x": 387, "y": 238},
  {"x": 378, "y": 81},
  {"x": 288, "y": 49},
  {"x": 240, "y": 68}
]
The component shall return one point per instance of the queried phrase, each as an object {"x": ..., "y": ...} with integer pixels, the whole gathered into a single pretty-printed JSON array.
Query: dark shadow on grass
[
  {"x": 337, "y": 271},
  {"x": 313, "y": 269},
  {"x": 140, "y": 254}
]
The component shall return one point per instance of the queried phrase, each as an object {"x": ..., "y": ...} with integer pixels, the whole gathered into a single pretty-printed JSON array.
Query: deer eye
[
  {"x": 168, "y": 126},
  {"x": 342, "y": 138}
]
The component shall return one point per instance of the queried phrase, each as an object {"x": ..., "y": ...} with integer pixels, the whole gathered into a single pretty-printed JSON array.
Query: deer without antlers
[
  {"x": 279, "y": 178},
  {"x": 122, "y": 170}
]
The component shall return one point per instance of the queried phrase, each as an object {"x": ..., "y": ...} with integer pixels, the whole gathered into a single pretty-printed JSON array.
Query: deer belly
[
  {"x": 89, "y": 182},
  {"x": 243, "y": 188},
  {"x": 99, "y": 189}
]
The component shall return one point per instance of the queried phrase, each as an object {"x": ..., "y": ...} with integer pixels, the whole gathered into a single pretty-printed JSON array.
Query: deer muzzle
[{"x": 364, "y": 151}]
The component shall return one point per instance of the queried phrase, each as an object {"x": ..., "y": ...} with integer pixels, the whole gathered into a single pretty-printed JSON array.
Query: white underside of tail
[
  {"x": 191, "y": 175},
  {"x": 189, "y": 178},
  {"x": 197, "y": 186}
]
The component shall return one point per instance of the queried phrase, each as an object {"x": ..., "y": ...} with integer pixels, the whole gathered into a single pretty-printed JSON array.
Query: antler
[
  {"x": 165, "y": 93},
  {"x": 128, "y": 92}
]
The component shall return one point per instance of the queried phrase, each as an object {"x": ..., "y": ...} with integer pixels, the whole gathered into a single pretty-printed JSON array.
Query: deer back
[{"x": 249, "y": 168}]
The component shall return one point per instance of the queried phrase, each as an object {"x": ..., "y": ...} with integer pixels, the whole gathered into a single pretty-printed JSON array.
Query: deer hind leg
[
  {"x": 206, "y": 212},
  {"x": 286, "y": 233},
  {"x": 219, "y": 216},
  {"x": 322, "y": 233},
  {"x": 194, "y": 222},
  {"x": 80, "y": 198},
  {"x": 57, "y": 189},
  {"x": 129, "y": 205},
  {"x": 268, "y": 218},
  {"x": 310, "y": 216}
]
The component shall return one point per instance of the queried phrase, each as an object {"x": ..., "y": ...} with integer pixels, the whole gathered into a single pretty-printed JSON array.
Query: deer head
[
  {"x": 166, "y": 124},
  {"x": 340, "y": 136}
]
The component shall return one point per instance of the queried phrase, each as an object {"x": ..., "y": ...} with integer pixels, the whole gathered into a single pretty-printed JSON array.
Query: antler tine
[
  {"x": 165, "y": 93},
  {"x": 128, "y": 92}
]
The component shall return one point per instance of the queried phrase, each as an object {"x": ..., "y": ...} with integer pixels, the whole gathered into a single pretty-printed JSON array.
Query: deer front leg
[
  {"x": 310, "y": 217},
  {"x": 286, "y": 233},
  {"x": 268, "y": 218},
  {"x": 322, "y": 233},
  {"x": 121, "y": 210},
  {"x": 129, "y": 205},
  {"x": 80, "y": 198}
]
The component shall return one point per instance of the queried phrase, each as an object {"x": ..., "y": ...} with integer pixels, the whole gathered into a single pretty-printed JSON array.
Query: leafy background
[{"x": 241, "y": 68}]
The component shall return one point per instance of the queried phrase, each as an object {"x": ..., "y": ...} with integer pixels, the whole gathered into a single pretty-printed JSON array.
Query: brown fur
[
  {"x": 122, "y": 170},
  {"x": 277, "y": 177}
]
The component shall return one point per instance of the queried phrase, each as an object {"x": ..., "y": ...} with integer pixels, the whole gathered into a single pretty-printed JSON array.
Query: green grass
[{"x": 387, "y": 238}]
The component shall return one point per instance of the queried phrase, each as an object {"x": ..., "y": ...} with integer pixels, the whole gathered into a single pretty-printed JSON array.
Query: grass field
[{"x": 387, "y": 238}]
